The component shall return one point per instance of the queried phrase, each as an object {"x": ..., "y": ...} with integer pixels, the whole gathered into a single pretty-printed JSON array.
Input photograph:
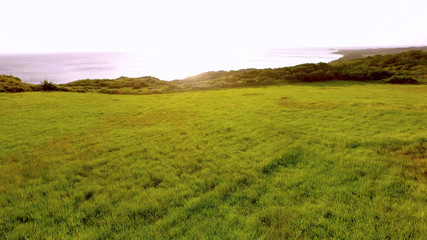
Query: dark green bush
[
  {"x": 48, "y": 86},
  {"x": 401, "y": 80}
]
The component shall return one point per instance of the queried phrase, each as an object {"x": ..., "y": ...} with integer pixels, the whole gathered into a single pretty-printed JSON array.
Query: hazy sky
[{"x": 180, "y": 25}]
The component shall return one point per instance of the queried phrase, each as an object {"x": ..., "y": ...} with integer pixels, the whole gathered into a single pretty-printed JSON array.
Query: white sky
[{"x": 197, "y": 25}]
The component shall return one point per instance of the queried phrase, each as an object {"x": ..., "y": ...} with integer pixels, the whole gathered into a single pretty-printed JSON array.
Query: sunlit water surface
[{"x": 67, "y": 67}]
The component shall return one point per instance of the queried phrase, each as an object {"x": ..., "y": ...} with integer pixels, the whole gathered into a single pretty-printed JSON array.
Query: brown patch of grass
[
  {"x": 418, "y": 164},
  {"x": 416, "y": 153}
]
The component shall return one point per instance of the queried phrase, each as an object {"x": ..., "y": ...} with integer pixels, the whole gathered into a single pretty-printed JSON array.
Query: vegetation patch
[
  {"x": 13, "y": 84},
  {"x": 401, "y": 80},
  {"x": 294, "y": 104},
  {"x": 288, "y": 160}
]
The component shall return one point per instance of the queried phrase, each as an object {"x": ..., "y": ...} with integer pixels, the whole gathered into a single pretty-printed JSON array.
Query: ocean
[{"x": 66, "y": 67}]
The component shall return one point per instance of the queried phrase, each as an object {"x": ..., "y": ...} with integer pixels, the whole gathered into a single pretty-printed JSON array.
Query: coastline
[
  {"x": 357, "y": 53},
  {"x": 63, "y": 68}
]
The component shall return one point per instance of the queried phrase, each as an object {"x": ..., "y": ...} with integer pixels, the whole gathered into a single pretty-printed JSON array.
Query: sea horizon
[{"x": 66, "y": 67}]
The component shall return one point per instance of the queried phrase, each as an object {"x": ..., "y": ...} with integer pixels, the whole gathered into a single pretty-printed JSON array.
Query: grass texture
[{"x": 342, "y": 160}]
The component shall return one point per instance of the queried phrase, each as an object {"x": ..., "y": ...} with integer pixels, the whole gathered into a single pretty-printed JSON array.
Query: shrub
[
  {"x": 48, "y": 86},
  {"x": 401, "y": 80}
]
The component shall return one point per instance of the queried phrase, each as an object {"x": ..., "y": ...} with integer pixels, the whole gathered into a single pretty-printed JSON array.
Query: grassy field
[{"x": 341, "y": 160}]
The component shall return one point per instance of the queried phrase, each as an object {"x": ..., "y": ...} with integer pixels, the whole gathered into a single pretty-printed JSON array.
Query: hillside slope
[
  {"x": 352, "y": 54},
  {"x": 407, "y": 67},
  {"x": 13, "y": 84}
]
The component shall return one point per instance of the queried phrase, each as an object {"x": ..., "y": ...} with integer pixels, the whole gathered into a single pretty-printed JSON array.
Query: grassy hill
[
  {"x": 352, "y": 54},
  {"x": 408, "y": 67},
  {"x": 342, "y": 160},
  {"x": 13, "y": 84}
]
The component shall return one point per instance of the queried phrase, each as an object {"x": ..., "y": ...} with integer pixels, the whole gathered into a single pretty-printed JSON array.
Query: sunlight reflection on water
[{"x": 167, "y": 65}]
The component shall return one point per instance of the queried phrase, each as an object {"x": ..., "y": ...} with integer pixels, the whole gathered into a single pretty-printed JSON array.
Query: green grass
[
  {"x": 13, "y": 84},
  {"x": 339, "y": 160}
]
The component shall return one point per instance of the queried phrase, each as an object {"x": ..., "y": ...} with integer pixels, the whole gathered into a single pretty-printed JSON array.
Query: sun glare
[{"x": 179, "y": 63}]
